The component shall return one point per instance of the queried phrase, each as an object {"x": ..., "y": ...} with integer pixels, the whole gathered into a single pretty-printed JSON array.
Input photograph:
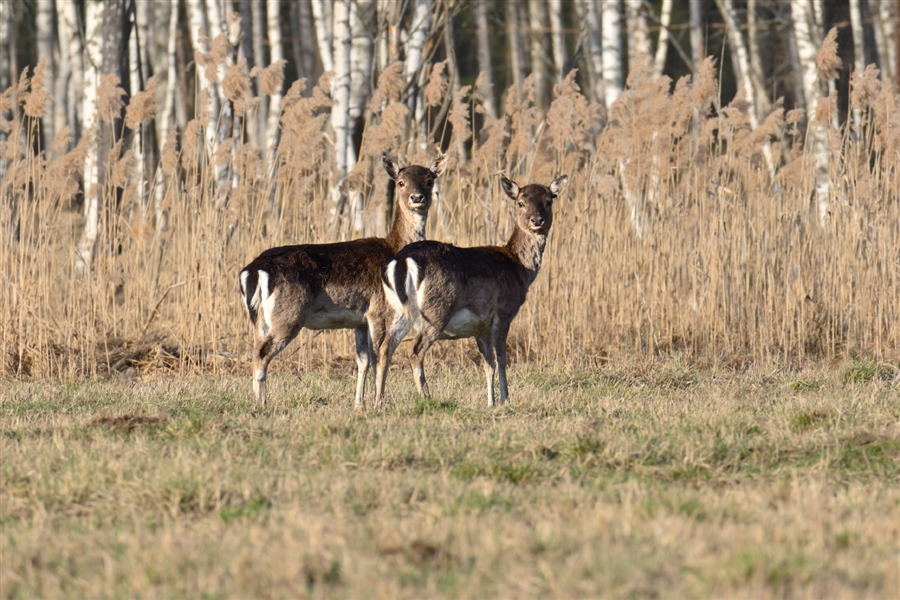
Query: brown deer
[
  {"x": 330, "y": 286},
  {"x": 443, "y": 292}
]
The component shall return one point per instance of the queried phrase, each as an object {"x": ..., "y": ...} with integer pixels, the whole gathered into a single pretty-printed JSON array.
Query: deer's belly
[
  {"x": 465, "y": 324},
  {"x": 335, "y": 319}
]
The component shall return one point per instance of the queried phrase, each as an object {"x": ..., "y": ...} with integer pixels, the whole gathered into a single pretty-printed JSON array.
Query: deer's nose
[
  {"x": 537, "y": 221},
  {"x": 416, "y": 198}
]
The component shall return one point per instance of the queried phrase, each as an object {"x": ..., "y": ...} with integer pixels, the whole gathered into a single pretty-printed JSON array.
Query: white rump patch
[
  {"x": 414, "y": 293},
  {"x": 264, "y": 301},
  {"x": 244, "y": 275},
  {"x": 389, "y": 290}
]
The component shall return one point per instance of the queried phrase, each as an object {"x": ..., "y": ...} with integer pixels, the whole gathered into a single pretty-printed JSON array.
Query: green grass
[{"x": 589, "y": 483}]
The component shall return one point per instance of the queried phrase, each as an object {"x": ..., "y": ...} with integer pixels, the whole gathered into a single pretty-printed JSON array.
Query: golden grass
[
  {"x": 673, "y": 240},
  {"x": 674, "y": 484}
]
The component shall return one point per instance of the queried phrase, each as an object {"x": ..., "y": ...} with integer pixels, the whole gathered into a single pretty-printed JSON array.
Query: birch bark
[
  {"x": 324, "y": 22},
  {"x": 558, "y": 37},
  {"x": 662, "y": 46},
  {"x": 516, "y": 52},
  {"x": 340, "y": 94},
  {"x": 612, "y": 51},
  {"x": 638, "y": 35},
  {"x": 859, "y": 57},
  {"x": 537, "y": 24},
  {"x": 276, "y": 53},
  {"x": 47, "y": 51},
  {"x": 698, "y": 51},
  {"x": 485, "y": 65},
  {"x": 594, "y": 47}
]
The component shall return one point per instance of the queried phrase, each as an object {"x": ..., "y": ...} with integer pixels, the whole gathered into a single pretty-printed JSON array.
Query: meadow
[{"x": 588, "y": 484}]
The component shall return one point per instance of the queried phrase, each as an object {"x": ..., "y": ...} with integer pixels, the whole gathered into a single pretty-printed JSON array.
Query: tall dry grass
[{"x": 673, "y": 239}]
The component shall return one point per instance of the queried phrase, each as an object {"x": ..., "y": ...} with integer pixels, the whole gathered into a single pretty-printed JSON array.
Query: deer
[
  {"x": 440, "y": 291},
  {"x": 331, "y": 286}
]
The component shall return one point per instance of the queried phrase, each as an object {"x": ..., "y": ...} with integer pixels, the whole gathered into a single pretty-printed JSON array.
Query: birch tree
[
  {"x": 361, "y": 46},
  {"x": 817, "y": 132},
  {"x": 698, "y": 50},
  {"x": 516, "y": 49},
  {"x": 611, "y": 18},
  {"x": 662, "y": 45},
  {"x": 276, "y": 54},
  {"x": 324, "y": 23},
  {"x": 485, "y": 64},
  {"x": 260, "y": 27},
  {"x": 46, "y": 47},
  {"x": 413, "y": 67},
  {"x": 340, "y": 94},
  {"x": 93, "y": 57},
  {"x": 537, "y": 19},
  {"x": 593, "y": 43},
  {"x": 69, "y": 87},
  {"x": 558, "y": 37},
  {"x": 885, "y": 27},
  {"x": 859, "y": 57},
  {"x": 638, "y": 35}
]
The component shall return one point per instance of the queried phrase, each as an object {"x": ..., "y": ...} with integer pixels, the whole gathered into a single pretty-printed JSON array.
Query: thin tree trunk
[
  {"x": 362, "y": 22},
  {"x": 259, "y": 22},
  {"x": 6, "y": 25},
  {"x": 638, "y": 35},
  {"x": 516, "y": 52},
  {"x": 537, "y": 19},
  {"x": 558, "y": 36},
  {"x": 756, "y": 71},
  {"x": 340, "y": 110},
  {"x": 816, "y": 133},
  {"x": 324, "y": 22},
  {"x": 419, "y": 31},
  {"x": 612, "y": 51},
  {"x": 276, "y": 53},
  {"x": 593, "y": 42},
  {"x": 70, "y": 85},
  {"x": 884, "y": 37},
  {"x": 485, "y": 65},
  {"x": 46, "y": 46},
  {"x": 135, "y": 71},
  {"x": 105, "y": 49},
  {"x": 301, "y": 12},
  {"x": 662, "y": 46},
  {"x": 859, "y": 57},
  {"x": 698, "y": 50}
]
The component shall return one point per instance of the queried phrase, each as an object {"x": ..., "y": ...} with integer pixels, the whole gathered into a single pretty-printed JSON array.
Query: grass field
[{"x": 667, "y": 483}]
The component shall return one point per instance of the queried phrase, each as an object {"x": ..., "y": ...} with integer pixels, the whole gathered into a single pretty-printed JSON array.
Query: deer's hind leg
[
  {"x": 486, "y": 347},
  {"x": 265, "y": 351}
]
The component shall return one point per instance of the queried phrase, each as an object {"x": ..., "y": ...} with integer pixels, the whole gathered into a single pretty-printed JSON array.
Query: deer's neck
[
  {"x": 529, "y": 249},
  {"x": 408, "y": 227}
]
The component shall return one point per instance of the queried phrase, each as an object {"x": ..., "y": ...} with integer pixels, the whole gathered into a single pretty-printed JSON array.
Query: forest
[{"x": 734, "y": 169}]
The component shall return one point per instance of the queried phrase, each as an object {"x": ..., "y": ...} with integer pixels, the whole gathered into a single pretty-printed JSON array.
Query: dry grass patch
[{"x": 591, "y": 483}]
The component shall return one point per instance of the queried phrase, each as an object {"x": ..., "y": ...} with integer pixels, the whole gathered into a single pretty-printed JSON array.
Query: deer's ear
[
  {"x": 391, "y": 166},
  {"x": 557, "y": 185},
  {"x": 437, "y": 167},
  {"x": 510, "y": 187}
]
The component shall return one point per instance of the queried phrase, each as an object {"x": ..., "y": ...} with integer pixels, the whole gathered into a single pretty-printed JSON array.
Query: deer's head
[
  {"x": 534, "y": 203},
  {"x": 414, "y": 184}
]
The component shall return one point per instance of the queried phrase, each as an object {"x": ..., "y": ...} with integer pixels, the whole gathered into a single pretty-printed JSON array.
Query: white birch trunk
[
  {"x": 859, "y": 57},
  {"x": 612, "y": 51},
  {"x": 662, "y": 46},
  {"x": 537, "y": 23},
  {"x": 593, "y": 47},
  {"x": 362, "y": 22},
  {"x": 698, "y": 51},
  {"x": 516, "y": 52},
  {"x": 46, "y": 46},
  {"x": 884, "y": 38},
  {"x": 70, "y": 85},
  {"x": 323, "y": 21},
  {"x": 93, "y": 57},
  {"x": 558, "y": 37},
  {"x": 137, "y": 66},
  {"x": 638, "y": 35},
  {"x": 415, "y": 55},
  {"x": 485, "y": 65},
  {"x": 259, "y": 26},
  {"x": 340, "y": 94},
  {"x": 5, "y": 71},
  {"x": 276, "y": 53},
  {"x": 756, "y": 71},
  {"x": 167, "y": 118},
  {"x": 816, "y": 133}
]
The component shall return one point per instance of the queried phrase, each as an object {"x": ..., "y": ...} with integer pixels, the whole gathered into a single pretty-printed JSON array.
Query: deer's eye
[
  {"x": 521, "y": 204},
  {"x": 429, "y": 182},
  {"x": 400, "y": 183}
]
